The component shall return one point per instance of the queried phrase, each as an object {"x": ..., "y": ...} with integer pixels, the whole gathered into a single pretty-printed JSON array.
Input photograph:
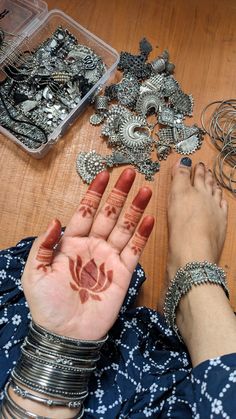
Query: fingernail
[
  {"x": 201, "y": 162},
  {"x": 186, "y": 161}
]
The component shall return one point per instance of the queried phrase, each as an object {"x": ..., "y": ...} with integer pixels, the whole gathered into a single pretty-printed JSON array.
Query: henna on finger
[
  {"x": 46, "y": 248},
  {"x": 115, "y": 202},
  {"x": 141, "y": 236},
  {"x": 118, "y": 195},
  {"x": 87, "y": 207},
  {"x": 135, "y": 211},
  {"x": 89, "y": 279},
  {"x": 89, "y": 204}
]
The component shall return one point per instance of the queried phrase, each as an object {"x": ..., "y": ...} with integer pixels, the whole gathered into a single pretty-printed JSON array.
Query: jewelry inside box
[{"x": 44, "y": 85}]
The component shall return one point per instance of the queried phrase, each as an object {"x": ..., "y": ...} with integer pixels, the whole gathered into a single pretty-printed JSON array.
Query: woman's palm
[{"x": 75, "y": 284}]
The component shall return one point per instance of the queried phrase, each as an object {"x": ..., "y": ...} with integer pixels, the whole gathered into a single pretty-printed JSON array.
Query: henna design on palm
[{"x": 89, "y": 279}]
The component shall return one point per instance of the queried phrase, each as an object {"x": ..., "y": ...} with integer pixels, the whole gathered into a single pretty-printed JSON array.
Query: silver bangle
[
  {"x": 24, "y": 394},
  {"x": 193, "y": 274}
]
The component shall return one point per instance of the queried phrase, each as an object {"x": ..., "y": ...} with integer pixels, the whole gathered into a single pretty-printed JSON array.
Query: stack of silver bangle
[
  {"x": 54, "y": 365},
  {"x": 194, "y": 273}
]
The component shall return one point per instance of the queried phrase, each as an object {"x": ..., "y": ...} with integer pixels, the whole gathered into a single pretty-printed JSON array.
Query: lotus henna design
[{"x": 89, "y": 279}]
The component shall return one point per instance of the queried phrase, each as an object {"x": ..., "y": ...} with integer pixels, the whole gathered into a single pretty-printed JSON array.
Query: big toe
[{"x": 181, "y": 174}]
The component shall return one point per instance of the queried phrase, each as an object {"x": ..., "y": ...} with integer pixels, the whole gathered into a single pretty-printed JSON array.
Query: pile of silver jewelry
[
  {"x": 56, "y": 367},
  {"x": 43, "y": 86},
  {"x": 147, "y": 90}
]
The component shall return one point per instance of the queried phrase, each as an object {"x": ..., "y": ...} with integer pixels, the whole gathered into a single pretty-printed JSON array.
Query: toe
[
  {"x": 209, "y": 181},
  {"x": 181, "y": 174},
  {"x": 199, "y": 176},
  {"x": 218, "y": 193},
  {"x": 224, "y": 206}
]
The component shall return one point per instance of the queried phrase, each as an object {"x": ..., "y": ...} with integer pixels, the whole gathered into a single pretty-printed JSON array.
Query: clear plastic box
[{"x": 31, "y": 21}]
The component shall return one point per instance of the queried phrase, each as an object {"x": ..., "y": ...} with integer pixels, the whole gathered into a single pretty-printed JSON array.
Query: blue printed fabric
[{"x": 144, "y": 371}]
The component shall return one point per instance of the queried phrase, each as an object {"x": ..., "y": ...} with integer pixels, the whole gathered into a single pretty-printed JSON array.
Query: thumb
[{"x": 44, "y": 245}]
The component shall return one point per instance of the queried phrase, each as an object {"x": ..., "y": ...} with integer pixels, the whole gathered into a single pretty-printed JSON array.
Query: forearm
[{"x": 207, "y": 323}]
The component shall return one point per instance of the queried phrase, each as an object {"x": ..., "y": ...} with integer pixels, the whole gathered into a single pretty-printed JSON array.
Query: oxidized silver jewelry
[
  {"x": 170, "y": 86},
  {"x": 101, "y": 106},
  {"x": 166, "y": 116},
  {"x": 193, "y": 274},
  {"x": 115, "y": 116},
  {"x": 134, "y": 133},
  {"x": 128, "y": 90},
  {"x": 148, "y": 101},
  {"x": 46, "y": 84},
  {"x": 153, "y": 83},
  {"x": 88, "y": 165},
  {"x": 148, "y": 88},
  {"x": 182, "y": 102}
]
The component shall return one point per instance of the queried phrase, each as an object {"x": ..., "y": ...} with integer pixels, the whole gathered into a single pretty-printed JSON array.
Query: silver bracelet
[
  {"x": 54, "y": 366},
  {"x": 21, "y": 392},
  {"x": 15, "y": 411},
  {"x": 193, "y": 274}
]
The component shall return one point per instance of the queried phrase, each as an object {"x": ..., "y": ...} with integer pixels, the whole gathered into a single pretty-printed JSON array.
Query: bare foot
[{"x": 197, "y": 217}]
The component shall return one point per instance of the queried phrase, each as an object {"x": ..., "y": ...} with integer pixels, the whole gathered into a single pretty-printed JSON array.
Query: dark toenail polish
[{"x": 186, "y": 161}]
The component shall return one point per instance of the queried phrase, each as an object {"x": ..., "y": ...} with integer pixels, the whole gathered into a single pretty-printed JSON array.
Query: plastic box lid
[{"x": 20, "y": 18}]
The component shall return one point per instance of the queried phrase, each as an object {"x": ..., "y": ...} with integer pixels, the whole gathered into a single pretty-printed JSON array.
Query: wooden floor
[{"x": 201, "y": 38}]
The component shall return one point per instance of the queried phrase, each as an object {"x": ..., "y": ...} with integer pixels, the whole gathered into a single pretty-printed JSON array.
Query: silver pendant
[
  {"x": 153, "y": 83},
  {"x": 182, "y": 102},
  {"x": 128, "y": 90},
  {"x": 96, "y": 119},
  {"x": 166, "y": 116},
  {"x": 115, "y": 116},
  {"x": 148, "y": 101},
  {"x": 88, "y": 165},
  {"x": 170, "y": 86},
  {"x": 189, "y": 145},
  {"x": 134, "y": 133}
]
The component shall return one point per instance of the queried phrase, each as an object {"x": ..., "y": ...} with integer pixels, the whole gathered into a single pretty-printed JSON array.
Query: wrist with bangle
[{"x": 53, "y": 371}]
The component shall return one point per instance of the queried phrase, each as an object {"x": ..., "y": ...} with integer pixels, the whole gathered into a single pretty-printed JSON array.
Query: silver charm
[
  {"x": 182, "y": 102},
  {"x": 101, "y": 103},
  {"x": 96, "y": 119},
  {"x": 189, "y": 145},
  {"x": 166, "y": 116},
  {"x": 148, "y": 101},
  {"x": 88, "y": 165},
  {"x": 153, "y": 83},
  {"x": 187, "y": 139},
  {"x": 128, "y": 90},
  {"x": 134, "y": 133},
  {"x": 170, "y": 86},
  {"x": 166, "y": 135},
  {"x": 115, "y": 116},
  {"x": 158, "y": 65}
]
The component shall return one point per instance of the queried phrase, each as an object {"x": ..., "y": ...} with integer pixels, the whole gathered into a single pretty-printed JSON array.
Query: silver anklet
[{"x": 193, "y": 274}]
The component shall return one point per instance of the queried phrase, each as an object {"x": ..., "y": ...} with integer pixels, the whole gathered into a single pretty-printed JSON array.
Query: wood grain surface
[{"x": 201, "y": 38}]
